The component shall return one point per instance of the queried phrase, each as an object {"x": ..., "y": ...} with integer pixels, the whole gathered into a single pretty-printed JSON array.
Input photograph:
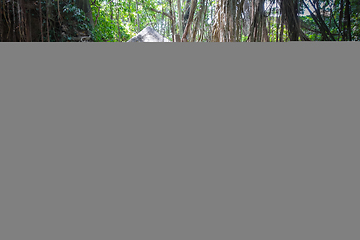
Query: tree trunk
[
  {"x": 277, "y": 23},
  {"x": 85, "y": 6},
  {"x": 252, "y": 10},
  {"x": 232, "y": 24},
  {"x": 341, "y": 20},
  {"x": 180, "y": 17},
  {"x": 14, "y": 21},
  {"x": 198, "y": 19},
  {"x": 1, "y": 23},
  {"x": 47, "y": 19},
  {"x": 348, "y": 20},
  {"x": 289, "y": 8},
  {"x": 177, "y": 38},
  {"x": 238, "y": 23},
  {"x": 282, "y": 29},
  {"x": 227, "y": 20},
  {"x": 20, "y": 25},
  {"x": 41, "y": 28},
  {"x": 191, "y": 16},
  {"x": 221, "y": 18},
  {"x": 326, "y": 34},
  {"x": 202, "y": 30},
  {"x": 25, "y": 22},
  {"x": 270, "y": 21},
  {"x": 186, "y": 14},
  {"x": 257, "y": 23},
  {"x": 172, "y": 21}
]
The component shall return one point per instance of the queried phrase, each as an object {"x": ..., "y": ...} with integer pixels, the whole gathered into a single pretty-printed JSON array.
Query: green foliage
[
  {"x": 107, "y": 29},
  {"x": 73, "y": 13},
  {"x": 244, "y": 38},
  {"x": 117, "y": 20},
  {"x": 310, "y": 24},
  {"x": 332, "y": 22},
  {"x": 72, "y": 18}
]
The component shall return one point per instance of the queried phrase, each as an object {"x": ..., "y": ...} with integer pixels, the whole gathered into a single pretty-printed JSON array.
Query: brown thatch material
[{"x": 148, "y": 34}]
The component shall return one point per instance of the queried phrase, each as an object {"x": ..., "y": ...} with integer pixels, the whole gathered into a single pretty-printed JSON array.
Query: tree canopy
[{"x": 180, "y": 20}]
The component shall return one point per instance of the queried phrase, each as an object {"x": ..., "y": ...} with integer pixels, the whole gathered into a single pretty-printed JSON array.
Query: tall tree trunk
[
  {"x": 24, "y": 20},
  {"x": 325, "y": 31},
  {"x": 270, "y": 21},
  {"x": 282, "y": 29},
  {"x": 85, "y": 6},
  {"x": 252, "y": 10},
  {"x": 277, "y": 24},
  {"x": 237, "y": 20},
  {"x": 180, "y": 17},
  {"x": 47, "y": 19},
  {"x": 348, "y": 20},
  {"x": 290, "y": 12},
  {"x": 221, "y": 21},
  {"x": 226, "y": 26},
  {"x": 202, "y": 30},
  {"x": 20, "y": 22},
  {"x": 59, "y": 18},
  {"x": 9, "y": 20},
  {"x": 14, "y": 21},
  {"x": 341, "y": 20},
  {"x": 198, "y": 19},
  {"x": 29, "y": 26},
  {"x": 233, "y": 24},
  {"x": 263, "y": 31},
  {"x": 41, "y": 22},
  {"x": 172, "y": 21},
  {"x": 1, "y": 23},
  {"x": 256, "y": 29},
  {"x": 186, "y": 14},
  {"x": 191, "y": 16}
]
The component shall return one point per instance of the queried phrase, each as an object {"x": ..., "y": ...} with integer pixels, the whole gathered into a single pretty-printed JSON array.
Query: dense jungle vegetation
[{"x": 180, "y": 20}]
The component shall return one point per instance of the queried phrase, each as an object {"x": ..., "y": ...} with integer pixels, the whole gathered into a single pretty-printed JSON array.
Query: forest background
[{"x": 180, "y": 20}]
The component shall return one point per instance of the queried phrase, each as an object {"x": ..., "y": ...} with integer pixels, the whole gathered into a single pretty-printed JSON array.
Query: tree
[
  {"x": 197, "y": 20},
  {"x": 290, "y": 11},
  {"x": 190, "y": 20},
  {"x": 85, "y": 6}
]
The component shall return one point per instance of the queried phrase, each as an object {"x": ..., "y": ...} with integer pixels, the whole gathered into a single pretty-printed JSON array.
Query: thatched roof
[{"x": 148, "y": 34}]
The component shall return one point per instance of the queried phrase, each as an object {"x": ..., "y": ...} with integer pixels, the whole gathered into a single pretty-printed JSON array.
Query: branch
[
  {"x": 315, "y": 31},
  {"x": 163, "y": 13},
  {"x": 319, "y": 21}
]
